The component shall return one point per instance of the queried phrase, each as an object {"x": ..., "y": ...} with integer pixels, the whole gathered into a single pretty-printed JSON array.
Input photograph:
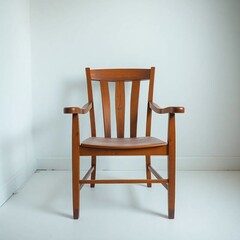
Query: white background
[
  {"x": 46, "y": 45},
  {"x": 17, "y": 161},
  {"x": 194, "y": 46}
]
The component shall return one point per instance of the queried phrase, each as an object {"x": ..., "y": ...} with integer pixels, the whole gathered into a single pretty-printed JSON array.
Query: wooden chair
[{"x": 121, "y": 146}]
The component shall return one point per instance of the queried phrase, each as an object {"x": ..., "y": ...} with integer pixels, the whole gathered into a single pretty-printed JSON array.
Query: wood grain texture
[
  {"x": 171, "y": 165},
  {"x": 120, "y": 108},
  {"x": 157, "y": 109},
  {"x": 157, "y": 175},
  {"x": 134, "y": 108},
  {"x": 75, "y": 165},
  {"x": 121, "y": 181},
  {"x": 106, "y": 108},
  {"x": 120, "y": 74},
  {"x": 134, "y": 146},
  {"x": 86, "y": 176},
  {"x": 90, "y": 99},
  {"x": 150, "y": 98},
  {"x": 151, "y": 151},
  {"x": 148, "y": 173},
  {"x": 122, "y": 143},
  {"x": 85, "y": 109},
  {"x": 94, "y": 166}
]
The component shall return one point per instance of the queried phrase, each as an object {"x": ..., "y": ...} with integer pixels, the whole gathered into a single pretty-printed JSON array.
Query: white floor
[{"x": 207, "y": 207}]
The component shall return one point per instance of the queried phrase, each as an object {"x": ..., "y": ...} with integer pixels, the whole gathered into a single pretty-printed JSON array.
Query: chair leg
[
  {"x": 171, "y": 165},
  {"x": 76, "y": 186},
  {"x": 171, "y": 186},
  {"x": 93, "y": 175},
  {"x": 148, "y": 173}
]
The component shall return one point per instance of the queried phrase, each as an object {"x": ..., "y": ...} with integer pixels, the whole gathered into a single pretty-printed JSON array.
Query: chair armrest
[
  {"x": 153, "y": 106},
  {"x": 77, "y": 110}
]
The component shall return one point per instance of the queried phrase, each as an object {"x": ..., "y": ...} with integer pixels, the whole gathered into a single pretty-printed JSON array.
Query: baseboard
[
  {"x": 201, "y": 163},
  {"x": 209, "y": 163},
  {"x": 190, "y": 163},
  {"x": 8, "y": 188}
]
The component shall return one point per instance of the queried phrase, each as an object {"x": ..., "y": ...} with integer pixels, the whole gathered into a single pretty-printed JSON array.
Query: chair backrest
[{"x": 120, "y": 76}]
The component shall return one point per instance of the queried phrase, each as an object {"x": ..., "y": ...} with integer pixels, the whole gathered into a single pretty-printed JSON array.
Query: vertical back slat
[
  {"x": 106, "y": 108},
  {"x": 150, "y": 98},
  {"x": 134, "y": 108},
  {"x": 90, "y": 99},
  {"x": 120, "y": 108}
]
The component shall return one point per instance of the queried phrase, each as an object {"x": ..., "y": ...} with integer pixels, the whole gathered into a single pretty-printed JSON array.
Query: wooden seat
[
  {"x": 122, "y": 143},
  {"x": 146, "y": 146}
]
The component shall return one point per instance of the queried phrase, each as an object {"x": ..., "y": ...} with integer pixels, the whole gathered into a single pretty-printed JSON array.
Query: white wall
[
  {"x": 16, "y": 151},
  {"x": 193, "y": 44}
]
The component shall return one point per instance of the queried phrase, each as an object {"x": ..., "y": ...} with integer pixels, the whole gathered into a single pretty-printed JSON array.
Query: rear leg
[
  {"x": 93, "y": 174},
  {"x": 148, "y": 173}
]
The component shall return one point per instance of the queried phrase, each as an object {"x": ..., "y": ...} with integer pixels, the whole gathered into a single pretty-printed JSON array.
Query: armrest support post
[
  {"x": 75, "y": 131},
  {"x": 171, "y": 132}
]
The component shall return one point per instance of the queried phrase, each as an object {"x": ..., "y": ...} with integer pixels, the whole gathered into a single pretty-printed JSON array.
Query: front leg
[
  {"x": 171, "y": 165},
  {"x": 75, "y": 166}
]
